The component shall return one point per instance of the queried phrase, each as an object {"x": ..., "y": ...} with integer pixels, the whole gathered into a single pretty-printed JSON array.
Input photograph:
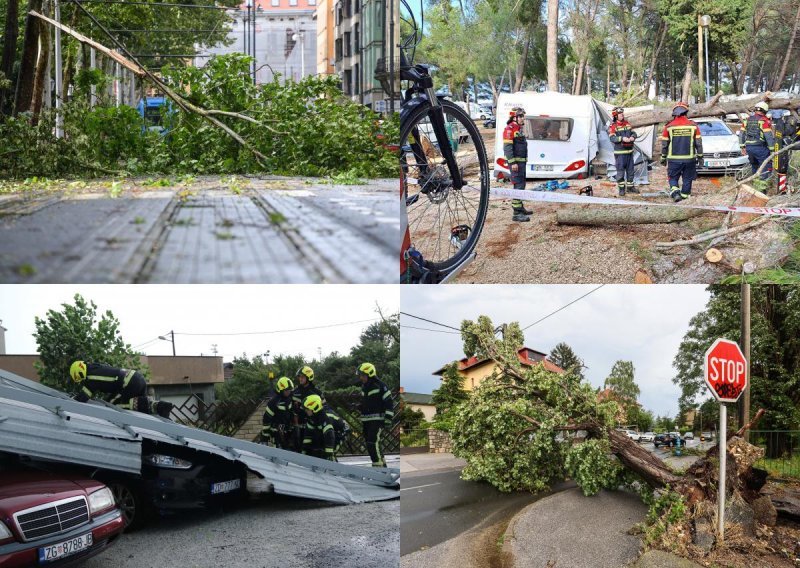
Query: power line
[
  {"x": 281, "y": 330},
  {"x": 431, "y": 321},
  {"x": 428, "y": 329},
  {"x": 563, "y": 307},
  {"x": 159, "y": 4}
]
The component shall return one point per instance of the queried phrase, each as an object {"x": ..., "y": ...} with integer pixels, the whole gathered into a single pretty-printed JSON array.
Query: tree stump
[{"x": 747, "y": 197}]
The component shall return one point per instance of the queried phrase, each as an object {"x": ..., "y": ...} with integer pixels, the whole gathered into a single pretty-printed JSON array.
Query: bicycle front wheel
[{"x": 444, "y": 222}]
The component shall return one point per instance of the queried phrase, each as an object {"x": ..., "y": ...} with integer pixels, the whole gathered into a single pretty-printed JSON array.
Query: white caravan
[{"x": 565, "y": 134}]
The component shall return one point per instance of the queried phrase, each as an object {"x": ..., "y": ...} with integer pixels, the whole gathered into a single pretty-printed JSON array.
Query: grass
[
  {"x": 789, "y": 273},
  {"x": 347, "y": 178},
  {"x": 640, "y": 251},
  {"x": 277, "y": 218},
  {"x": 781, "y": 467}
]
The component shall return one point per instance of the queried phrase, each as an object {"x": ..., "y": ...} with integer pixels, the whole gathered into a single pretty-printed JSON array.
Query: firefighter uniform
[
  {"x": 324, "y": 431},
  {"x": 377, "y": 414},
  {"x": 125, "y": 388},
  {"x": 515, "y": 150},
  {"x": 623, "y": 154},
  {"x": 301, "y": 393},
  {"x": 278, "y": 422},
  {"x": 682, "y": 149},
  {"x": 758, "y": 140}
]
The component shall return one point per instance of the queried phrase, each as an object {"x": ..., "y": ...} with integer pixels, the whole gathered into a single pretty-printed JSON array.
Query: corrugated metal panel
[
  {"x": 31, "y": 430},
  {"x": 97, "y": 424}
]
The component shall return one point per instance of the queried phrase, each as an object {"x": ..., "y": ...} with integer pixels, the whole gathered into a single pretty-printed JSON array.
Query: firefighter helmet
[
  {"x": 762, "y": 106},
  {"x": 283, "y": 384},
  {"x": 313, "y": 403},
  {"x": 306, "y": 371},
  {"x": 517, "y": 111},
  {"x": 617, "y": 111},
  {"x": 680, "y": 109},
  {"x": 78, "y": 371},
  {"x": 367, "y": 369}
]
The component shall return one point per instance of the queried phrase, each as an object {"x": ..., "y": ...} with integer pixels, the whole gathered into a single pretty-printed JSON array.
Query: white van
[{"x": 565, "y": 133}]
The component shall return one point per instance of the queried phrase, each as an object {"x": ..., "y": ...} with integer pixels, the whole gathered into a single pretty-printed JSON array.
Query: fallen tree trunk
[
  {"x": 624, "y": 215},
  {"x": 711, "y": 108}
]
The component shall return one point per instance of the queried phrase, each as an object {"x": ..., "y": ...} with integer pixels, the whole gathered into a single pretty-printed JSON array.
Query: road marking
[{"x": 419, "y": 486}]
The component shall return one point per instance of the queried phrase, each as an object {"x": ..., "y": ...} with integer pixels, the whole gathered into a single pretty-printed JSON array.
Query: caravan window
[{"x": 548, "y": 128}]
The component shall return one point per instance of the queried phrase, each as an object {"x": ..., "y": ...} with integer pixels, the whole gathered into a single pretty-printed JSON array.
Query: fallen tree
[
  {"x": 594, "y": 216},
  {"x": 527, "y": 427}
]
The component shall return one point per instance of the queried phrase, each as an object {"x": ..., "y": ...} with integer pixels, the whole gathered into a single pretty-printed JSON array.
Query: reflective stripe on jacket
[
  {"x": 616, "y": 132},
  {"x": 681, "y": 140},
  {"x": 515, "y": 145},
  {"x": 757, "y": 131}
]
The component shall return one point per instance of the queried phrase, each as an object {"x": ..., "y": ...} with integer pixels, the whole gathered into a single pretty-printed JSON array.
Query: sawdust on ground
[{"x": 542, "y": 251}]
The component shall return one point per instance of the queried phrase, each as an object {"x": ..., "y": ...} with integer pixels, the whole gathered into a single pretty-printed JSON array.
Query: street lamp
[
  {"x": 705, "y": 21},
  {"x": 172, "y": 338},
  {"x": 301, "y": 36}
]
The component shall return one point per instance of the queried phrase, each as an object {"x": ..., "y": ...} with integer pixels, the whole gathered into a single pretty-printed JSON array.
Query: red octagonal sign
[{"x": 726, "y": 370}]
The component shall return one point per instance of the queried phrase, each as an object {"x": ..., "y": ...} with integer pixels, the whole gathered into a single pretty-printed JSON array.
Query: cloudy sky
[
  {"x": 145, "y": 312},
  {"x": 644, "y": 324}
]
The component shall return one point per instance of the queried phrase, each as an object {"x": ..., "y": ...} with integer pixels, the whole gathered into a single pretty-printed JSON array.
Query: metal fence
[
  {"x": 227, "y": 417},
  {"x": 782, "y": 452}
]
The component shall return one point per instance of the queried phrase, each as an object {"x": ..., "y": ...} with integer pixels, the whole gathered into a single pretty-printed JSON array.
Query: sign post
[{"x": 726, "y": 374}]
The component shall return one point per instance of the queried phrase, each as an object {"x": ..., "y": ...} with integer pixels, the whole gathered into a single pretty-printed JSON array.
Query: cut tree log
[
  {"x": 713, "y": 255},
  {"x": 624, "y": 215},
  {"x": 747, "y": 197},
  {"x": 711, "y": 108}
]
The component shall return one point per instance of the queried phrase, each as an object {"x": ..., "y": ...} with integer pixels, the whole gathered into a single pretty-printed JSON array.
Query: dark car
[
  {"x": 668, "y": 440},
  {"x": 490, "y": 122},
  {"x": 54, "y": 520},
  {"x": 175, "y": 478}
]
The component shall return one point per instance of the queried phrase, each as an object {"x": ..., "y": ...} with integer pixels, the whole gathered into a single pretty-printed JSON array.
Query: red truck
[{"x": 54, "y": 520}]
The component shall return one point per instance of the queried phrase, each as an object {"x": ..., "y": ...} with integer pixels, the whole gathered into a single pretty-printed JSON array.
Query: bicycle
[{"x": 444, "y": 174}]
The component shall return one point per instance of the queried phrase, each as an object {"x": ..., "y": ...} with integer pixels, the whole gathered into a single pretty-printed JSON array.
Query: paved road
[
  {"x": 212, "y": 230},
  {"x": 274, "y": 531},
  {"x": 437, "y": 506}
]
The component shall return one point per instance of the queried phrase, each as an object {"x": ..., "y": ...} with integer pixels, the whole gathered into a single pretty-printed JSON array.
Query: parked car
[
  {"x": 490, "y": 122},
  {"x": 706, "y": 435},
  {"x": 647, "y": 437},
  {"x": 688, "y": 436},
  {"x": 668, "y": 439},
  {"x": 485, "y": 112},
  {"x": 54, "y": 519},
  {"x": 721, "y": 151},
  {"x": 630, "y": 434}
]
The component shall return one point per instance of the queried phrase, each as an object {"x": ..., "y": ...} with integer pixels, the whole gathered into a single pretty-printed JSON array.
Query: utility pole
[
  {"x": 172, "y": 338},
  {"x": 255, "y": 56},
  {"x": 744, "y": 343}
]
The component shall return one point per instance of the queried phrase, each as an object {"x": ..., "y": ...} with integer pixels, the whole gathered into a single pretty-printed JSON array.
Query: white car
[
  {"x": 688, "y": 436},
  {"x": 630, "y": 434},
  {"x": 721, "y": 151},
  {"x": 647, "y": 437}
]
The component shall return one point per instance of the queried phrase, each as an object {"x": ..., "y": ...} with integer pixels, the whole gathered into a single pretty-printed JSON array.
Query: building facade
[
  {"x": 285, "y": 39},
  {"x": 366, "y": 56}
]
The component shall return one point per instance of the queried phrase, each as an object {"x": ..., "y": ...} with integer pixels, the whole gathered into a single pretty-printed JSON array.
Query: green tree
[
  {"x": 774, "y": 352},
  {"x": 664, "y": 424},
  {"x": 410, "y": 419},
  {"x": 76, "y": 333},
  {"x": 639, "y": 417},
  {"x": 379, "y": 344},
  {"x": 250, "y": 380},
  {"x": 621, "y": 380},
  {"x": 449, "y": 396},
  {"x": 563, "y": 356}
]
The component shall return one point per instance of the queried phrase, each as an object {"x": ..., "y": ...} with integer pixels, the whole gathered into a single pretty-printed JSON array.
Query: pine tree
[
  {"x": 450, "y": 394},
  {"x": 563, "y": 356}
]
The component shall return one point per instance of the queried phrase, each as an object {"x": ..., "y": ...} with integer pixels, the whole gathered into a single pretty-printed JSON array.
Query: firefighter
[
  {"x": 622, "y": 136},
  {"x": 757, "y": 138},
  {"x": 124, "y": 388},
  {"x": 515, "y": 149},
  {"x": 278, "y": 417},
  {"x": 322, "y": 434},
  {"x": 377, "y": 411},
  {"x": 305, "y": 388},
  {"x": 682, "y": 151}
]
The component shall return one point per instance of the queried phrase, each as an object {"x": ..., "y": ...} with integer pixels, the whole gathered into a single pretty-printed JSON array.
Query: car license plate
[
  {"x": 542, "y": 168},
  {"x": 225, "y": 486},
  {"x": 66, "y": 548},
  {"x": 716, "y": 163}
]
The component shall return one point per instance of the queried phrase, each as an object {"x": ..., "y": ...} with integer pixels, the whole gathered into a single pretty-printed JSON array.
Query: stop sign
[{"x": 726, "y": 370}]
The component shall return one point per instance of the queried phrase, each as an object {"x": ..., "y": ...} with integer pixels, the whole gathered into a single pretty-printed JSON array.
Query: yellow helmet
[
  {"x": 283, "y": 384},
  {"x": 307, "y": 371},
  {"x": 78, "y": 371},
  {"x": 368, "y": 369},
  {"x": 762, "y": 106},
  {"x": 313, "y": 403}
]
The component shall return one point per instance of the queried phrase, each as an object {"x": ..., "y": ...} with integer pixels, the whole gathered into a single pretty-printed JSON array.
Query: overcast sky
[
  {"x": 145, "y": 312},
  {"x": 644, "y": 324}
]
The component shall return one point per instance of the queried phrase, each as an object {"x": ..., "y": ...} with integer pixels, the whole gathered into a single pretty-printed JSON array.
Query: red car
[{"x": 49, "y": 520}]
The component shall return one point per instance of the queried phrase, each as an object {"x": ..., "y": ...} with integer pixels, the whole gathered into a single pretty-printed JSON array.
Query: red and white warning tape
[{"x": 554, "y": 197}]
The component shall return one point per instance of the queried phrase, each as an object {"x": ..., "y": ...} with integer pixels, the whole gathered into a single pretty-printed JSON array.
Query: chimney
[
  {"x": 2, "y": 338},
  {"x": 402, "y": 390}
]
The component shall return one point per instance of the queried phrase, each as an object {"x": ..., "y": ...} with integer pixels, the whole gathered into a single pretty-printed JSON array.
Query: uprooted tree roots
[{"x": 526, "y": 427}]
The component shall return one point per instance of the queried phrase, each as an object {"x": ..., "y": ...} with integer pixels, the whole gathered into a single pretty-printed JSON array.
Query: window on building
[
  {"x": 348, "y": 8},
  {"x": 338, "y": 13},
  {"x": 347, "y": 83},
  {"x": 357, "y": 6},
  {"x": 357, "y": 88},
  {"x": 292, "y": 2},
  {"x": 356, "y": 39},
  {"x": 337, "y": 49},
  {"x": 347, "y": 51},
  {"x": 311, "y": 2},
  {"x": 276, "y": 2}
]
